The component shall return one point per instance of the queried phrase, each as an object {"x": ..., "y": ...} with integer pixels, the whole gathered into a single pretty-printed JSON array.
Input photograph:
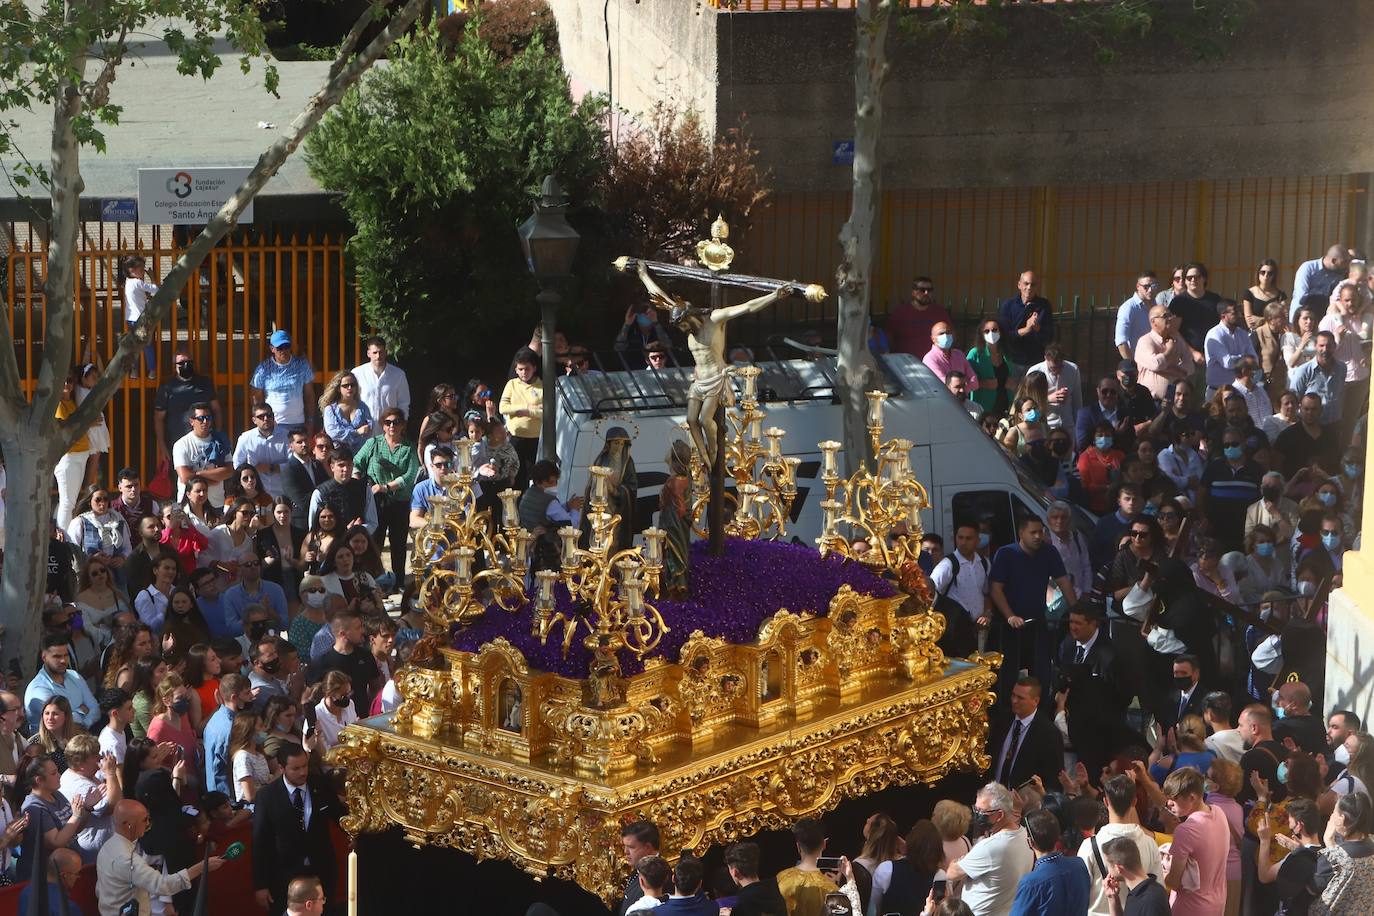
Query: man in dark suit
[
  {"x": 291, "y": 818},
  {"x": 300, "y": 475},
  {"x": 1092, "y": 688},
  {"x": 1029, "y": 744},
  {"x": 1187, "y": 696}
]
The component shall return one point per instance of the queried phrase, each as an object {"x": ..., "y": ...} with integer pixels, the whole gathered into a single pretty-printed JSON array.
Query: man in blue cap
[{"x": 286, "y": 382}]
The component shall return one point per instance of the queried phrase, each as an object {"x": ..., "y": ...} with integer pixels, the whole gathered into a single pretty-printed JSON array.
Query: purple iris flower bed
[{"x": 731, "y": 596}]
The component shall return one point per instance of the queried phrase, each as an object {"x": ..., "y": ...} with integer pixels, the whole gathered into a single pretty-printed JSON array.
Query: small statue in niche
[
  {"x": 675, "y": 518},
  {"x": 512, "y": 701},
  {"x": 605, "y": 687},
  {"x": 623, "y": 489}
]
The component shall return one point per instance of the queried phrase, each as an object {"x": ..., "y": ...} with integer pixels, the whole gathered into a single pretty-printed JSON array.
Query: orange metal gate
[{"x": 252, "y": 283}]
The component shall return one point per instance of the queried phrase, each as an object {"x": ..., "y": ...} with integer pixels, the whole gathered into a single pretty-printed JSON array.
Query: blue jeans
[{"x": 149, "y": 352}]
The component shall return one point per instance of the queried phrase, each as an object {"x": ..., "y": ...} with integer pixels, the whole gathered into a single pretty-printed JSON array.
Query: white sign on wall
[{"x": 188, "y": 197}]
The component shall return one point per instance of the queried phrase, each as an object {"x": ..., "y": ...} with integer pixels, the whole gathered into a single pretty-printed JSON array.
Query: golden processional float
[{"x": 544, "y": 710}]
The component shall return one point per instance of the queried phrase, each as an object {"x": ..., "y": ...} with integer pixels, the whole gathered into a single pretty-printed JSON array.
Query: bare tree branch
[
  {"x": 343, "y": 74},
  {"x": 98, "y": 91}
]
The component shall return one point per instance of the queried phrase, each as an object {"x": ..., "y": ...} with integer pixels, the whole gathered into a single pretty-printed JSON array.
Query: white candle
[
  {"x": 653, "y": 546},
  {"x": 569, "y": 535},
  {"x": 353, "y": 883},
  {"x": 510, "y": 513}
]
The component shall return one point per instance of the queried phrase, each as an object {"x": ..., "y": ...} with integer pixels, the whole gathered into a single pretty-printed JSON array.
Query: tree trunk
[
  {"x": 856, "y": 369},
  {"x": 28, "y": 521}
]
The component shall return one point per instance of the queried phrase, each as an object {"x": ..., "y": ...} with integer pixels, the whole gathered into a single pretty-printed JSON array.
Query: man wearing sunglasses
[
  {"x": 440, "y": 464},
  {"x": 910, "y": 323},
  {"x": 203, "y": 452},
  {"x": 174, "y": 400},
  {"x": 286, "y": 382},
  {"x": 266, "y": 447}
]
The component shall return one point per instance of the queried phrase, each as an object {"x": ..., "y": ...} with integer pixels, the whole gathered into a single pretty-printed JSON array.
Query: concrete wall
[
  {"x": 1288, "y": 98},
  {"x": 661, "y": 50}
]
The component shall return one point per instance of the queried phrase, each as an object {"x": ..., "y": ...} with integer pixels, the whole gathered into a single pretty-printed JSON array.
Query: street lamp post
[{"x": 550, "y": 245}]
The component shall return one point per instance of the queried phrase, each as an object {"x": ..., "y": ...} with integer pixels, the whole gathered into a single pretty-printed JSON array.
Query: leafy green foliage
[
  {"x": 45, "y": 49},
  {"x": 438, "y": 157}
]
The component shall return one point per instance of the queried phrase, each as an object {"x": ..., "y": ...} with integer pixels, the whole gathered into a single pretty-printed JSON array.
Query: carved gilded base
[{"x": 557, "y": 824}]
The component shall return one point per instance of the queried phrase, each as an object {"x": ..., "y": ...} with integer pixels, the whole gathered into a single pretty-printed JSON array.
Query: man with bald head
[
  {"x": 942, "y": 358},
  {"x": 123, "y": 873},
  {"x": 1318, "y": 277},
  {"x": 1161, "y": 356},
  {"x": 1293, "y": 712},
  {"x": 64, "y": 867},
  {"x": 1027, "y": 322}
]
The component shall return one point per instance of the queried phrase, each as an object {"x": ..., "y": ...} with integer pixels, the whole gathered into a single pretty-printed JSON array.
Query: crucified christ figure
[{"x": 705, "y": 330}]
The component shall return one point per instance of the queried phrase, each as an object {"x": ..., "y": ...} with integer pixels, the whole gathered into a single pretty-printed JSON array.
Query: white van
[{"x": 968, "y": 476}]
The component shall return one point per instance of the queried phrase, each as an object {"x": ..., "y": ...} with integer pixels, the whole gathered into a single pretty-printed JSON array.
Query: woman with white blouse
[{"x": 249, "y": 765}]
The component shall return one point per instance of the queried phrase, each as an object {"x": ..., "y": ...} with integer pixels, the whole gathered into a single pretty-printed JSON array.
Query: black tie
[
  {"x": 1011, "y": 753},
  {"x": 1080, "y": 654},
  {"x": 298, "y": 801}
]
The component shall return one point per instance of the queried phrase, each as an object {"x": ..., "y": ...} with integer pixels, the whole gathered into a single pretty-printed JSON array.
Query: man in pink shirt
[
  {"x": 1162, "y": 357},
  {"x": 909, "y": 323},
  {"x": 1203, "y": 837},
  {"x": 942, "y": 358}
]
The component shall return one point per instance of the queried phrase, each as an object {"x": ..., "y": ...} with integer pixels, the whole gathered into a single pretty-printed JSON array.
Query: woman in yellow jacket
[
  {"x": 71, "y": 467},
  {"x": 522, "y": 404}
]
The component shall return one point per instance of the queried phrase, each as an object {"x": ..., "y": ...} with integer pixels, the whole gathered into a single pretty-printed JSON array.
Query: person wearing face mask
[
  {"x": 994, "y": 371},
  {"x": 1297, "y": 654},
  {"x": 1293, "y": 711},
  {"x": 540, "y": 507},
  {"x": 335, "y": 711},
  {"x": 1351, "y": 482},
  {"x": 1097, "y": 466},
  {"x": 943, "y": 358},
  {"x": 991, "y": 870},
  {"x": 1229, "y": 486},
  {"x": 1274, "y": 511},
  {"x": 172, "y": 719},
  {"x": 1333, "y": 542},
  {"x": 1263, "y": 570},
  {"x": 266, "y": 657},
  {"x": 174, "y": 399},
  {"x": 312, "y": 616}
]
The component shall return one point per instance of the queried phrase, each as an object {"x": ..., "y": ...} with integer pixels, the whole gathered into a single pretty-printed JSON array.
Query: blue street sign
[
  {"x": 844, "y": 152},
  {"x": 118, "y": 210}
]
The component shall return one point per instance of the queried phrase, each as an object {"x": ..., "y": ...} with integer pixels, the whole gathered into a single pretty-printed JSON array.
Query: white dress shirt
[
  {"x": 123, "y": 874},
  {"x": 254, "y": 448},
  {"x": 379, "y": 392},
  {"x": 969, "y": 587},
  {"x": 1225, "y": 349}
]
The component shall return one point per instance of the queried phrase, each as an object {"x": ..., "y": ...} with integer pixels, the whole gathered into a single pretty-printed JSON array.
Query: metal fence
[
  {"x": 1087, "y": 243},
  {"x": 251, "y": 284}
]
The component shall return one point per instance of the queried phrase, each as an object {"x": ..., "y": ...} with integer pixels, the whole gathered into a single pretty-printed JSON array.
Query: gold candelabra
[
  {"x": 873, "y": 517},
  {"x": 615, "y": 586},
  {"x": 465, "y": 565},
  {"x": 462, "y": 563},
  {"x": 765, "y": 479}
]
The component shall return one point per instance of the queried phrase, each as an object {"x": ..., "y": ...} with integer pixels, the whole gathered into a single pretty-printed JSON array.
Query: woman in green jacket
[
  {"x": 391, "y": 465},
  {"x": 995, "y": 371}
]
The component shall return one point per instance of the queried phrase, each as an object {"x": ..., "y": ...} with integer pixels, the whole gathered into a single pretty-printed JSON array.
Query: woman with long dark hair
[
  {"x": 278, "y": 546},
  {"x": 185, "y": 623},
  {"x": 148, "y": 673}
]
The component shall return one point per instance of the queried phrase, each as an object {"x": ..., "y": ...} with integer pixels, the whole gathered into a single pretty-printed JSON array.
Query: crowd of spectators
[{"x": 207, "y": 635}]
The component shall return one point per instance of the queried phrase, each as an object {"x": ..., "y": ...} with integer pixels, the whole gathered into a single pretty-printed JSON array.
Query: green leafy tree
[
  {"x": 65, "y": 57},
  {"x": 438, "y": 157}
]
